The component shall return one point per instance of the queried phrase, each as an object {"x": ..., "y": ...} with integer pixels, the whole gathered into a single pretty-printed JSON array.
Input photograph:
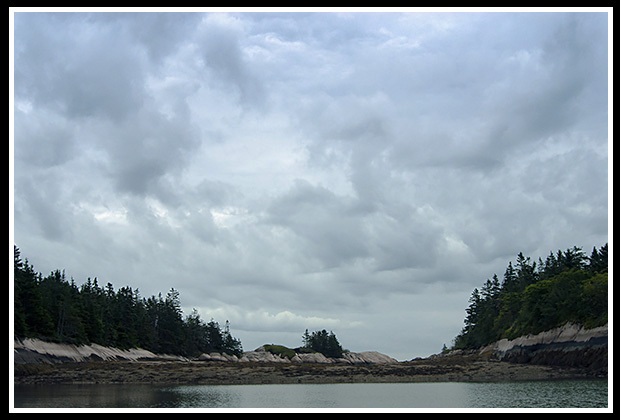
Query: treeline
[
  {"x": 534, "y": 296},
  {"x": 322, "y": 342},
  {"x": 54, "y": 309}
]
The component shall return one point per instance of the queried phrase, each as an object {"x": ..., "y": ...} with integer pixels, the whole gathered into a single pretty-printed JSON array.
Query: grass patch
[{"x": 281, "y": 351}]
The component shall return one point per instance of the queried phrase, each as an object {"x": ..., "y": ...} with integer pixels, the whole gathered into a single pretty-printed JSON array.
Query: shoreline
[{"x": 445, "y": 369}]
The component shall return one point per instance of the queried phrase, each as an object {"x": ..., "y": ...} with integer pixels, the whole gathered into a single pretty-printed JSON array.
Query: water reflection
[
  {"x": 88, "y": 396},
  {"x": 551, "y": 394},
  {"x": 413, "y": 395},
  {"x": 196, "y": 396}
]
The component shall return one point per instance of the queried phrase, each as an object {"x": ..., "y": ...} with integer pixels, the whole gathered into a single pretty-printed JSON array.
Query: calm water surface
[{"x": 562, "y": 394}]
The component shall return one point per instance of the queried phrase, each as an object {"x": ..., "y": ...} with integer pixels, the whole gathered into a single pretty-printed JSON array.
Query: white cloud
[{"x": 263, "y": 320}]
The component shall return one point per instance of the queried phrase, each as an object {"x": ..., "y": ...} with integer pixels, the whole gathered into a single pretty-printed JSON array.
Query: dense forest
[
  {"x": 534, "y": 296},
  {"x": 54, "y": 309}
]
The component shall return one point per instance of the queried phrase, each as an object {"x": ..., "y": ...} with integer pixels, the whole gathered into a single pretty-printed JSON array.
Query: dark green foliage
[
  {"x": 60, "y": 300},
  {"x": 30, "y": 318},
  {"x": 598, "y": 260},
  {"x": 209, "y": 337},
  {"x": 567, "y": 287},
  {"x": 323, "y": 342},
  {"x": 52, "y": 308}
]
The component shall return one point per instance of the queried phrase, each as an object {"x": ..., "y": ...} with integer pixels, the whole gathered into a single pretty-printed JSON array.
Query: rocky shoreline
[
  {"x": 570, "y": 345},
  {"x": 37, "y": 351},
  {"x": 568, "y": 352},
  {"x": 469, "y": 368}
]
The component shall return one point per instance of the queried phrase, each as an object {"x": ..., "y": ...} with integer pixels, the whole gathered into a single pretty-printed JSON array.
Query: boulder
[
  {"x": 262, "y": 356},
  {"x": 217, "y": 357},
  {"x": 311, "y": 358}
]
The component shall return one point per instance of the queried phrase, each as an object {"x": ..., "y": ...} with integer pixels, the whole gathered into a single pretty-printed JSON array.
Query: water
[{"x": 560, "y": 394}]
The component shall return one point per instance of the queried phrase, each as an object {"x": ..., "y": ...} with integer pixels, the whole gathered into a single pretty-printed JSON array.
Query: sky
[{"x": 359, "y": 172}]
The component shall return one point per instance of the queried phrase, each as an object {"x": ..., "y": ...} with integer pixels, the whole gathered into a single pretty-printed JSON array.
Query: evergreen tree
[
  {"x": 563, "y": 288},
  {"x": 574, "y": 258},
  {"x": 61, "y": 301},
  {"x": 305, "y": 339},
  {"x": 510, "y": 279},
  {"x": 526, "y": 272},
  {"x": 232, "y": 345},
  {"x": 598, "y": 260},
  {"x": 31, "y": 318},
  {"x": 93, "y": 304},
  {"x": 110, "y": 320},
  {"x": 53, "y": 308},
  {"x": 171, "y": 334},
  {"x": 473, "y": 311},
  {"x": 125, "y": 314},
  {"x": 325, "y": 343}
]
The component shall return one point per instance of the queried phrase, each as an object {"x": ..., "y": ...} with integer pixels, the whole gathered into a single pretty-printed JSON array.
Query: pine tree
[
  {"x": 563, "y": 288},
  {"x": 52, "y": 308},
  {"x": 598, "y": 260},
  {"x": 510, "y": 279},
  {"x": 325, "y": 343},
  {"x": 305, "y": 339},
  {"x": 93, "y": 310},
  {"x": 526, "y": 272},
  {"x": 231, "y": 344},
  {"x": 170, "y": 332},
  {"x": 31, "y": 318}
]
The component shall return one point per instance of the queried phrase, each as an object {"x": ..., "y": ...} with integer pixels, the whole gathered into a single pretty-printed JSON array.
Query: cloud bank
[{"x": 359, "y": 172}]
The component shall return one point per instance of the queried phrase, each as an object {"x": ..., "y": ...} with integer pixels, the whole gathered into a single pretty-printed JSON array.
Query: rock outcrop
[
  {"x": 569, "y": 345},
  {"x": 38, "y": 351},
  {"x": 369, "y": 357},
  {"x": 262, "y": 355}
]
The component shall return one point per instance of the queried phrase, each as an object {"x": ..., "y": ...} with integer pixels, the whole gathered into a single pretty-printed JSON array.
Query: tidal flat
[{"x": 443, "y": 369}]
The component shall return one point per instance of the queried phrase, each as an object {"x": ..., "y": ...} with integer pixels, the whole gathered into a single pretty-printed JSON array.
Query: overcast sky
[{"x": 355, "y": 172}]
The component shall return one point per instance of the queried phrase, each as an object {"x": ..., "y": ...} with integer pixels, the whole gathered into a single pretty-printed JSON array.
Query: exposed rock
[
  {"x": 569, "y": 345},
  {"x": 365, "y": 357},
  {"x": 458, "y": 352},
  {"x": 311, "y": 358},
  {"x": 369, "y": 357},
  {"x": 217, "y": 357},
  {"x": 262, "y": 356},
  {"x": 568, "y": 333},
  {"x": 37, "y": 351}
]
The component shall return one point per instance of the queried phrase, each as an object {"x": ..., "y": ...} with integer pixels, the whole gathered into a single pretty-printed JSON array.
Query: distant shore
[{"x": 444, "y": 369}]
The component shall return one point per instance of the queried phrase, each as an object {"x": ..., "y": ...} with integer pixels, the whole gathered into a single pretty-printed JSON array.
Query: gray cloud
[
  {"x": 324, "y": 223},
  {"x": 360, "y": 172},
  {"x": 219, "y": 46},
  {"x": 96, "y": 73}
]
